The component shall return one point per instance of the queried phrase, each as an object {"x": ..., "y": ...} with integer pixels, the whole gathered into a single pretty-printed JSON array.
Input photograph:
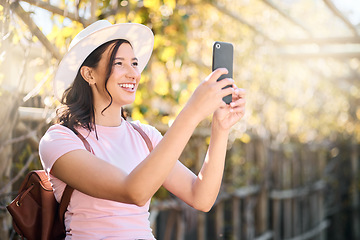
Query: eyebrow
[{"x": 120, "y": 58}]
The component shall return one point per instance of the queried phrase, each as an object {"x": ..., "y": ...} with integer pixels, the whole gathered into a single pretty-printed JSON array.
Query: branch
[
  {"x": 238, "y": 18},
  {"x": 20, "y": 173},
  {"x": 47, "y": 6},
  {"x": 15, "y": 6},
  {"x": 332, "y": 40},
  {"x": 287, "y": 16},
  {"x": 337, "y": 55},
  {"x": 336, "y": 11}
]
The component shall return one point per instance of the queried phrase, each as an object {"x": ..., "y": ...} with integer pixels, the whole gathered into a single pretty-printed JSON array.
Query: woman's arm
[
  {"x": 90, "y": 175},
  {"x": 201, "y": 191}
]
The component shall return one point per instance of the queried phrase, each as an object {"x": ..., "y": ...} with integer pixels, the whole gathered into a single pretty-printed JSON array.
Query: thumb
[{"x": 216, "y": 74}]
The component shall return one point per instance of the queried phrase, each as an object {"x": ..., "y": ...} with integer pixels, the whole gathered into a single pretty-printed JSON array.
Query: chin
[{"x": 126, "y": 102}]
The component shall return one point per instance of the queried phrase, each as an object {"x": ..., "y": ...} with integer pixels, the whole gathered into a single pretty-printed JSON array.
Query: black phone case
[{"x": 223, "y": 58}]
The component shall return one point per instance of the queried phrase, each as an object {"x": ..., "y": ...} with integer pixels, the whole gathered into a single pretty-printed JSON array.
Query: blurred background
[{"x": 292, "y": 169}]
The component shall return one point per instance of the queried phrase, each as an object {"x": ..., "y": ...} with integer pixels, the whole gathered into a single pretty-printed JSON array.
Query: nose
[{"x": 132, "y": 72}]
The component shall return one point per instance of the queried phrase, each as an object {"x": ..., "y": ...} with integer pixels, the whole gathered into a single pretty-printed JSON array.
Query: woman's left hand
[{"x": 229, "y": 114}]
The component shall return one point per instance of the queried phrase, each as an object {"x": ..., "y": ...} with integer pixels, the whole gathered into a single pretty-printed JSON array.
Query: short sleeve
[{"x": 57, "y": 141}]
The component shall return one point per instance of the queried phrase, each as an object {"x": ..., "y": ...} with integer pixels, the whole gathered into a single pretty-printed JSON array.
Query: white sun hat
[{"x": 96, "y": 34}]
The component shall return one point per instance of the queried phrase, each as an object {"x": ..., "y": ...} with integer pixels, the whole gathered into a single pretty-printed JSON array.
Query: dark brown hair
[{"x": 77, "y": 107}]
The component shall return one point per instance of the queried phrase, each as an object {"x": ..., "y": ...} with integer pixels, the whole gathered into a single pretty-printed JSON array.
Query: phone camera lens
[{"x": 217, "y": 45}]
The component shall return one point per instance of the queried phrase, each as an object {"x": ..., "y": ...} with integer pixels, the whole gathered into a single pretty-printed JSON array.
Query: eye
[
  {"x": 118, "y": 63},
  {"x": 135, "y": 64}
]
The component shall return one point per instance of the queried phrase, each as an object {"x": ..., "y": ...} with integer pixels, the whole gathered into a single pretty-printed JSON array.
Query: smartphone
[{"x": 223, "y": 53}]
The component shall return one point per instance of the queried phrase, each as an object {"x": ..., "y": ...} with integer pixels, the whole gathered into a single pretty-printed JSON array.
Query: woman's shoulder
[
  {"x": 58, "y": 129},
  {"x": 151, "y": 131},
  {"x": 58, "y": 132},
  {"x": 57, "y": 141}
]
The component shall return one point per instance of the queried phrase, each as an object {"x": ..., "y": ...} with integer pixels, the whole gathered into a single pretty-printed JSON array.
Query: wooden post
[
  {"x": 276, "y": 219},
  {"x": 236, "y": 218},
  {"x": 261, "y": 150},
  {"x": 170, "y": 224},
  {"x": 235, "y": 174},
  {"x": 180, "y": 233},
  {"x": 276, "y": 203},
  {"x": 296, "y": 166},
  {"x": 355, "y": 191},
  {"x": 200, "y": 154},
  {"x": 201, "y": 234},
  {"x": 322, "y": 165},
  {"x": 249, "y": 223},
  {"x": 287, "y": 185},
  {"x": 219, "y": 219},
  {"x": 304, "y": 203}
]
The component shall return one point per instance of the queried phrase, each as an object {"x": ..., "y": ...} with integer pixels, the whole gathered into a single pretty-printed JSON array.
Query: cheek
[
  {"x": 100, "y": 80},
  {"x": 138, "y": 77}
]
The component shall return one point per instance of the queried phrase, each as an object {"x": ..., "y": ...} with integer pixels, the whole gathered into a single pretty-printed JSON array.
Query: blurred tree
[{"x": 296, "y": 92}]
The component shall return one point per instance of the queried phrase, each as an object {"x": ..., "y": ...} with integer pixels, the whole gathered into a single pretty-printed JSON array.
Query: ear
[{"x": 87, "y": 73}]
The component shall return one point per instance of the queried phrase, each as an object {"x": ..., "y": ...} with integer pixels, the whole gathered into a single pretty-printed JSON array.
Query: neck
[{"x": 111, "y": 117}]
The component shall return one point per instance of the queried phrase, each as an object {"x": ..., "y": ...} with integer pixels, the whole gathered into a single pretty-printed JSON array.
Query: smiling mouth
[{"x": 127, "y": 86}]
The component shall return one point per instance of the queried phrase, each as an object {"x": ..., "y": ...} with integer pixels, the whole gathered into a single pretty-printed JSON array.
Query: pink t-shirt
[{"x": 93, "y": 218}]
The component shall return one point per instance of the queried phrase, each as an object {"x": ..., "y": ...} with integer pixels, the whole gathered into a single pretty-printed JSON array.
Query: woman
[{"x": 113, "y": 186}]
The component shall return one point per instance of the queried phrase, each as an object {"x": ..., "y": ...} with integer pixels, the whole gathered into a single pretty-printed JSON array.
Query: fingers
[
  {"x": 239, "y": 92},
  {"x": 216, "y": 74},
  {"x": 239, "y": 101}
]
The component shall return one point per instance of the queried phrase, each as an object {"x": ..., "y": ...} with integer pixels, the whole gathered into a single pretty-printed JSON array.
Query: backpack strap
[
  {"x": 144, "y": 136},
  {"x": 65, "y": 199},
  {"x": 85, "y": 142}
]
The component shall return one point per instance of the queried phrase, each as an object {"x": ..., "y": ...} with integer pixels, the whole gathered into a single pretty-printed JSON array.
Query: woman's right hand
[{"x": 207, "y": 97}]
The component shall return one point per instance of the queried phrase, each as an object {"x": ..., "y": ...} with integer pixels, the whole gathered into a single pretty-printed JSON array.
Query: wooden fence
[{"x": 274, "y": 191}]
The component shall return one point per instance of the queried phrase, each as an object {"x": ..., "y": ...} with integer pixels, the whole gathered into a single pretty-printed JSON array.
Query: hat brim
[{"x": 140, "y": 37}]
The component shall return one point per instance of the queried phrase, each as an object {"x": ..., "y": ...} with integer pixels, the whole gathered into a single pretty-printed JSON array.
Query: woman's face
[{"x": 124, "y": 78}]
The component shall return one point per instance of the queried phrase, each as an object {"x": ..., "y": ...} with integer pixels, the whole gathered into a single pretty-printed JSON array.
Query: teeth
[{"x": 127, "y": 85}]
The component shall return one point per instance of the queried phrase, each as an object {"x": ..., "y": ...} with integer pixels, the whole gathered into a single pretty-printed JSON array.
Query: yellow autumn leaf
[
  {"x": 184, "y": 96},
  {"x": 170, "y": 3},
  {"x": 167, "y": 54},
  {"x": 161, "y": 86},
  {"x": 67, "y": 32},
  {"x": 165, "y": 119},
  {"x": 61, "y": 19},
  {"x": 138, "y": 98},
  {"x": 192, "y": 86},
  {"x": 245, "y": 138},
  {"x": 15, "y": 39},
  {"x": 137, "y": 115},
  {"x": 54, "y": 33},
  {"x": 158, "y": 41},
  {"x": 138, "y": 18},
  {"x": 152, "y": 4},
  {"x": 39, "y": 76},
  {"x": 59, "y": 41}
]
